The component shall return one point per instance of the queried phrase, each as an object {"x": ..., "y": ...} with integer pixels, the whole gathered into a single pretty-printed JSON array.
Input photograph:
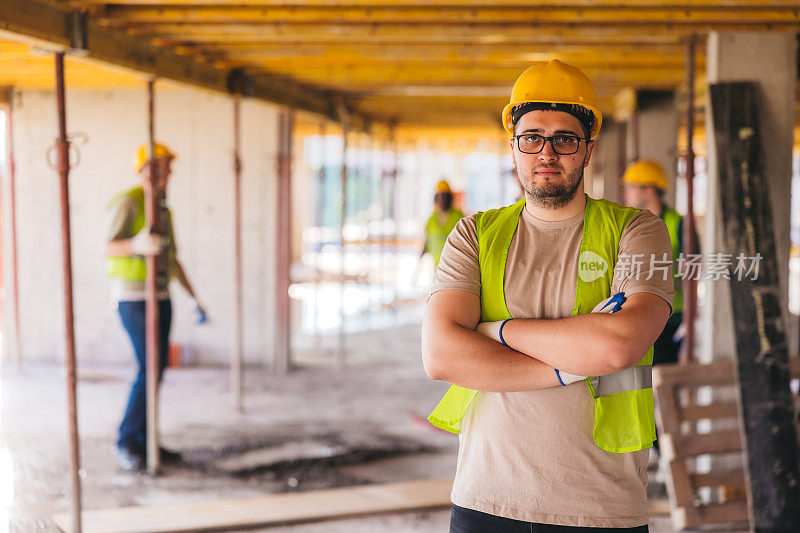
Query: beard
[{"x": 552, "y": 195}]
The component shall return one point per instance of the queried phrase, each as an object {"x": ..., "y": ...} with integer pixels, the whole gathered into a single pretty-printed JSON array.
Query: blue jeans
[
  {"x": 464, "y": 520},
  {"x": 133, "y": 430}
]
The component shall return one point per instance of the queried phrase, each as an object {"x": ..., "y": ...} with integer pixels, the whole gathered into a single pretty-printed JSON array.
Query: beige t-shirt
[{"x": 530, "y": 455}]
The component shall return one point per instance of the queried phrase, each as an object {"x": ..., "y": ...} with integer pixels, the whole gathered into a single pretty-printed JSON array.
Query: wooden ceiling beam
[
  {"x": 360, "y": 79},
  {"x": 488, "y": 31},
  {"x": 118, "y": 15},
  {"x": 568, "y": 4}
]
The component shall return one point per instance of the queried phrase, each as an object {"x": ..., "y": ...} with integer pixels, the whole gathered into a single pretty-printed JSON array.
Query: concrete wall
[
  {"x": 197, "y": 125},
  {"x": 658, "y": 133}
]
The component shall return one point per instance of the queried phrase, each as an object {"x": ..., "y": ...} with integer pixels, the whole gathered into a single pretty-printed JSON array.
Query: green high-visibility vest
[
  {"x": 623, "y": 414},
  {"x": 672, "y": 219},
  {"x": 436, "y": 233},
  {"x": 134, "y": 267}
]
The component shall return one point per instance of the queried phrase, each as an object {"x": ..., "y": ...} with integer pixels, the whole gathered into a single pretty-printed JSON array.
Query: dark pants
[
  {"x": 665, "y": 350},
  {"x": 133, "y": 430},
  {"x": 468, "y": 521}
]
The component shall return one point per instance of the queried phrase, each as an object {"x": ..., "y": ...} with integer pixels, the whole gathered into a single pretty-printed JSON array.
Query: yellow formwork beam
[
  {"x": 497, "y": 32},
  {"x": 433, "y": 33},
  {"x": 538, "y": 16},
  {"x": 52, "y": 24},
  {"x": 573, "y": 4},
  {"x": 450, "y": 54},
  {"x": 360, "y": 79}
]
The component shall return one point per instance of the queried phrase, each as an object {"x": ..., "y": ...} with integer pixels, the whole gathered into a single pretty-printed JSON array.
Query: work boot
[
  {"x": 169, "y": 456},
  {"x": 128, "y": 459}
]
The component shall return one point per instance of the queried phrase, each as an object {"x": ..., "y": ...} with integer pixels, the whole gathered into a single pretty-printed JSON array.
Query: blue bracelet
[
  {"x": 500, "y": 333},
  {"x": 558, "y": 375}
]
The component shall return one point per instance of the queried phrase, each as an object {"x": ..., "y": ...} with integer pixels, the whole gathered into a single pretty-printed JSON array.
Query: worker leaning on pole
[
  {"x": 129, "y": 241},
  {"x": 545, "y": 336}
]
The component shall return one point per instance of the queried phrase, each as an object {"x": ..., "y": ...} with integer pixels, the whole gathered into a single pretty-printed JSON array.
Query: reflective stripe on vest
[
  {"x": 635, "y": 378},
  {"x": 624, "y": 420}
]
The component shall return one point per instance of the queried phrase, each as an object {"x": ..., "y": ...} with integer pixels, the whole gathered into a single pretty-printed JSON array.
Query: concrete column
[
  {"x": 607, "y": 162},
  {"x": 657, "y": 132},
  {"x": 769, "y": 59}
]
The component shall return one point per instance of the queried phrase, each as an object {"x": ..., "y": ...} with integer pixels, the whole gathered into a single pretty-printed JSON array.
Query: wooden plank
[
  {"x": 717, "y": 478},
  {"x": 736, "y": 492},
  {"x": 679, "y": 487},
  {"x": 762, "y": 355},
  {"x": 716, "y": 442},
  {"x": 267, "y": 510},
  {"x": 710, "y": 514},
  {"x": 694, "y": 375},
  {"x": 693, "y": 413}
]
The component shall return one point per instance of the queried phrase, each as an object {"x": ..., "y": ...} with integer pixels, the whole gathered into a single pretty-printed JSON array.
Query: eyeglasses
[{"x": 563, "y": 144}]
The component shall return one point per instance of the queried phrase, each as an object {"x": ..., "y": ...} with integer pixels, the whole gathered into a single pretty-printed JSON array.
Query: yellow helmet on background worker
[
  {"x": 140, "y": 157},
  {"x": 553, "y": 82},
  {"x": 646, "y": 172},
  {"x": 443, "y": 186}
]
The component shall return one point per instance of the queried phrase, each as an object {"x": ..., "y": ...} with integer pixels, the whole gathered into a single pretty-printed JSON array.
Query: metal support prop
[
  {"x": 344, "y": 117},
  {"x": 236, "y": 363},
  {"x": 62, "y": 149},
  {"x": 284, "y": 236},
  {"x": 151, "y": 208},
  {"x": 12, "y": 205},
  {"x": 689, "y": 283}
]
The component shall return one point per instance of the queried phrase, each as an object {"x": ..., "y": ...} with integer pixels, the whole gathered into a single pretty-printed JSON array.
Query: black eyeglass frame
[{"x": 550, "y": 139}]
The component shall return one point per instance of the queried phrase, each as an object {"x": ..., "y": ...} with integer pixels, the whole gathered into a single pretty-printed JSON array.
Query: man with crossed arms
[{"x": 527, "y": 457}]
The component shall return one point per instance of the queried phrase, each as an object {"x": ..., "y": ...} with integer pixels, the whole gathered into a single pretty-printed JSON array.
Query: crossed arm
[{"x": 592, "y": 344}]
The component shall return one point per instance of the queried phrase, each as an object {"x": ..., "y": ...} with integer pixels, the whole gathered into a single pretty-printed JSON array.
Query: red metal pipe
[
  {"x": 236, "y": 367},
  {"x": 283, "y": 243},
  {"x": 12, "y": 205},
  {"x": 62, "y": 148},
  {"x": 689, "y": 284},
  {"x": 151, "y": 204}
]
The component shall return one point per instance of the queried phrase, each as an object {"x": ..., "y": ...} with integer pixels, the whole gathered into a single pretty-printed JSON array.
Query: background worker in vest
[
  {"x": 530, "y": 454},
  {"x": 128, "y": 242},
  {"x": 645, "y": 186},
  {"x": 441, "y": 222}
]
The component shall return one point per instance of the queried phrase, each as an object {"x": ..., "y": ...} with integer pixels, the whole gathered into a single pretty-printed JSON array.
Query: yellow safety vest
[
  {"x": 436, "y": 233},
  {"x": 134, "y": 267},
  {"x": 624, "y": 416},
  {"x": 672, "y": 219}
]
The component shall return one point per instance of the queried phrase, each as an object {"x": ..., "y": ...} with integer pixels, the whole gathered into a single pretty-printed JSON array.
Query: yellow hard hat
[
  {"x": 442, "y": 186},
  {"x": 646, "y": 172},
  {"x": 553, "y": 82},
  {"x": 140, "y": 157}
]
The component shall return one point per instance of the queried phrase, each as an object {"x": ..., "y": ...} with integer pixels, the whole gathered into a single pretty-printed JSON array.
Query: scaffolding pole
[
  {"x": 344, "y": 116},
  {"x": 12, "y": 206},
  {"x": 283, "y": 242},
  {"x": 152, "y": 198},
  {"x": 62, "y": 149},
  {"x": 689, "y": 283},
  {"x": 236, "y": 363}
]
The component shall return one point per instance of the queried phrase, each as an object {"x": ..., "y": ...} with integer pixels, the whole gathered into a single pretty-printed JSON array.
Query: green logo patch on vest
[{"x": 591, "y": 266}]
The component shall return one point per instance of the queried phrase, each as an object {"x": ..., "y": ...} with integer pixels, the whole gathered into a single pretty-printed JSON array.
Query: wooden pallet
[
  {"x": 269, "y": 510},
  {"x": 678, "y": 414}
]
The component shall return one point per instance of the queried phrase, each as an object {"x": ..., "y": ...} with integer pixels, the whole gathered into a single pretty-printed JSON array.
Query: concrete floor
[{"x": 316, "y": 428}]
